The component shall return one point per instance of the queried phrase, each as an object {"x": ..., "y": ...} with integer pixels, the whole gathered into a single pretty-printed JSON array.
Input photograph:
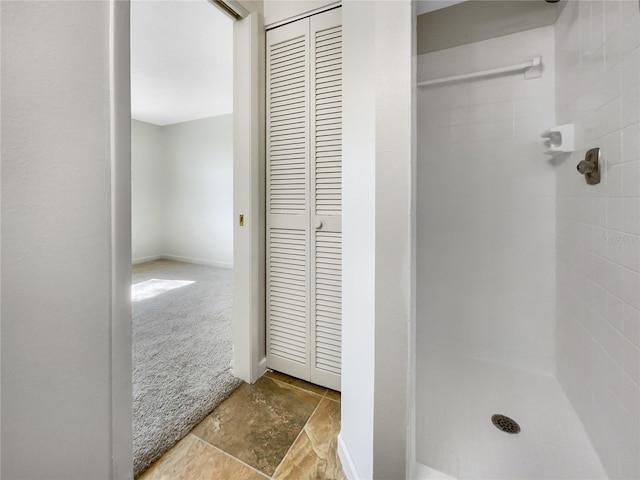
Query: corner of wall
[{"x": 377, "y": 112}]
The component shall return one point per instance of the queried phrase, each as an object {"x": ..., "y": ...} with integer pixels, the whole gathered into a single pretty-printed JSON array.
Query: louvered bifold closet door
[
  {"x": 326, "y": 197},
  {"x": 304, "y": 198},
  {"x": 288, "y": 261}
]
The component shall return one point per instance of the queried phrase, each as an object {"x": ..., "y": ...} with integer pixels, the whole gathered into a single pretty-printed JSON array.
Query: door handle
[{"x": 318, "y": 224}]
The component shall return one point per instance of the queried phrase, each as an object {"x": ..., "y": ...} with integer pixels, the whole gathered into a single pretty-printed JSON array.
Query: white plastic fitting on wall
[{"x": 559, "y": 139}]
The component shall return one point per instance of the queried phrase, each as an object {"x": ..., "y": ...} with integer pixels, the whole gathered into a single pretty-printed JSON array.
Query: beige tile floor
[{"x": 279, "y": 428}]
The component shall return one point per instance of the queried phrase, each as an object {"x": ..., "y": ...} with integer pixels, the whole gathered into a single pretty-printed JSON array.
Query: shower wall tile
[
  {"x": 486, "y": 205},
  {"x": 630, "y": 102},
  {"x": 632, "y": 215},
  {"x": 631, "y": 253},
  {"x": 631, "y": 327},
  {"x": 598, "y": 241},
  {"x": 631, "y": 178},
  {"x": 614, "y": 182},
  {"x": 630, "y": 142},
  {"x": 630, "y": 71}
]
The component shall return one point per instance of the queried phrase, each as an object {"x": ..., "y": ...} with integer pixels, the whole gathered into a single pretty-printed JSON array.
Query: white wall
[
  {"x": 183, "y": 191},
  {"x": 426, "y": 6},
  {"x": 377, "y": 78},
  {"x": 147, "y": 190},
  {"x": 598, "y": 81},
  {"x": 481, "y": 20},
  {"x": 66, "y": 352},
  {"x": 199, "y": 191},
  {"x": 278, "y": 10},
  {"x": 358, "y": 242},
  {"x": 486, "y": 205}
]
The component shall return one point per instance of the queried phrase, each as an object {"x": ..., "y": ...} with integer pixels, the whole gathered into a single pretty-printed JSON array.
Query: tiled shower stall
[{"x": 528, "y": 278}]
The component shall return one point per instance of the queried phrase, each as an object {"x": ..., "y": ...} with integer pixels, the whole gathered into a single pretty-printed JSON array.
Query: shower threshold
[{"x": 455, "y": 438}]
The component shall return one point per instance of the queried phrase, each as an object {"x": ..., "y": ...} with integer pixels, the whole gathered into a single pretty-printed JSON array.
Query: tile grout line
[
  {"x": 332, "y": 399},
  {"x": 297, "y": 436},
  {"x": 229, "y": 455}
]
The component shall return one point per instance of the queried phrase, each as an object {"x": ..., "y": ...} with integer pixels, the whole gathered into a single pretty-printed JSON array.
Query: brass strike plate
[{"x": 241, "y": 220}]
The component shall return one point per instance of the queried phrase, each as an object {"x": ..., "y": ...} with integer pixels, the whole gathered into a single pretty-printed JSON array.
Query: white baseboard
[
  {"x": 197, "y": 261},
  {"x": 150, "y": 258},
  {"x": 348, "y": 465},
  {"x": 178, "y": 258}
]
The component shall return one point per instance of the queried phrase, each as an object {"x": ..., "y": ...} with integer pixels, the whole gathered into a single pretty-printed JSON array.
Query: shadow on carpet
[{"x": 182, "y": 347}]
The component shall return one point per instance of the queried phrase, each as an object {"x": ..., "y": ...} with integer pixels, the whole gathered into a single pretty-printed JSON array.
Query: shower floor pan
[{"x": 456, "y": 397}]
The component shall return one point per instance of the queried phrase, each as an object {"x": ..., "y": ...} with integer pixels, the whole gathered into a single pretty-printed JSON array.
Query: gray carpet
[{"x": 182, "y": 344}]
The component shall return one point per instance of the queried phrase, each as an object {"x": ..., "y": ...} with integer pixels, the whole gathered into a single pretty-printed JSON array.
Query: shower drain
[{"x": 504, "y": 423}]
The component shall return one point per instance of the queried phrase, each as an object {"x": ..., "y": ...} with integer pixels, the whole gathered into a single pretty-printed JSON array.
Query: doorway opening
[{"x": 182, "y": 219}]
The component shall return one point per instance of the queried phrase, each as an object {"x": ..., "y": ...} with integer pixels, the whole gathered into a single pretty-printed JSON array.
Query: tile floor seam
[
  {"x": 297, "y": 436},
  {"x": 299, "y": 388},
  {"x": 231, "y": 456},
  {"x": 326, "y": 393}
]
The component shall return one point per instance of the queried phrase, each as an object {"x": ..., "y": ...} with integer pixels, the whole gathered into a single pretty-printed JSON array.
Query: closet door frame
[{"x": 249, "y": 357}]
